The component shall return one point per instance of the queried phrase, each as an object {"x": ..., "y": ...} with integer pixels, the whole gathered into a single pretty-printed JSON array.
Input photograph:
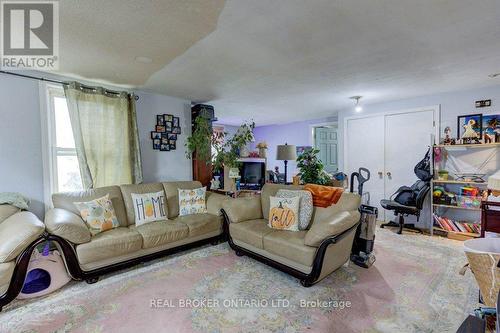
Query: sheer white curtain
[{"x": 106, "y": 137}]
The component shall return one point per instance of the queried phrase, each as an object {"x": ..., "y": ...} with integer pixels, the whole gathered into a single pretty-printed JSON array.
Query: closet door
[
  {"x": 407, "y": 138},
  {"x": 364, "y": 147}
]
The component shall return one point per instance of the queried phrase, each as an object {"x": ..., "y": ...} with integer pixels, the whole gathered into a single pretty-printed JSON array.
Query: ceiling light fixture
[
  {"x": 494, "y": 75},
  {"x": 357, "y": 106},
  {"x": 143, "y": 60}
]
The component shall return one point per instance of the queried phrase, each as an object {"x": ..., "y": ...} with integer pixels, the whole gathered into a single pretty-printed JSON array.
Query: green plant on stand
[{"x": 311, "y": 168}]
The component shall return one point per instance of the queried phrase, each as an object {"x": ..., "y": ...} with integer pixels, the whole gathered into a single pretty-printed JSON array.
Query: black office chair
[{"x": 415, "y": 196}]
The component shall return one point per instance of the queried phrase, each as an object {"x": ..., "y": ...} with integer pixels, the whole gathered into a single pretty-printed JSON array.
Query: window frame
[{"x": 50, "y": 151}]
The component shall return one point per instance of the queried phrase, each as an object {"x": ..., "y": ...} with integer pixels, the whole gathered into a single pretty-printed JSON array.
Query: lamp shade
[
  {"x": 494, "y": 181},
  {"x": 286, "y": 153}
]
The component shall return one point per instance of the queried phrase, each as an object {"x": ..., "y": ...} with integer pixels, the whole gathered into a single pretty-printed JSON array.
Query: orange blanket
[{"x": 324, "y": 196}]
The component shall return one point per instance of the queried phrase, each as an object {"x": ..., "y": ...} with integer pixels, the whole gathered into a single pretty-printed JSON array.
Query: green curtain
[{"x": 106, "y": 136}]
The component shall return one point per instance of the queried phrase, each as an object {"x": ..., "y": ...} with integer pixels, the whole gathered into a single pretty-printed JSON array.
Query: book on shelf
[{"x": 448, "y": 224}]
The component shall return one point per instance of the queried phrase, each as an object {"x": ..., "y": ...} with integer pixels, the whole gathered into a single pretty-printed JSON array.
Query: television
[{"x": 253, "y": 175}]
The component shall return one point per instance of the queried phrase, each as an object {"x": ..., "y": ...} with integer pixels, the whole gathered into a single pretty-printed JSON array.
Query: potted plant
[{"x": 311, "y": 168}]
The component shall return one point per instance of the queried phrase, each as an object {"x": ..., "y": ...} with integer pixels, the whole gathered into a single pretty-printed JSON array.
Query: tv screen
[{"x": 253, "y": 173}]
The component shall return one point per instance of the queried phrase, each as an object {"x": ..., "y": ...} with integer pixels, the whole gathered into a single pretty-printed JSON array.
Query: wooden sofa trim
[{"x": 306, "y": 280}]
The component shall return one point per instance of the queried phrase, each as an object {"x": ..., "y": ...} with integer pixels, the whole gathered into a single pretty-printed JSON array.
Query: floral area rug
[{"x": 414, "y": 286}]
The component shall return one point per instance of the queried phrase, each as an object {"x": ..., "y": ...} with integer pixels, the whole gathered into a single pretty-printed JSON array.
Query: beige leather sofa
[
  {"x": 88, "y": 256},
  {"x": 18, "y": 230},
  {"x": 309, "y": 255}
]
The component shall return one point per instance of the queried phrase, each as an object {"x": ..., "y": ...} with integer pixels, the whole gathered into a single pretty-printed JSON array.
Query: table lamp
[{"x": 286, "y": 153}]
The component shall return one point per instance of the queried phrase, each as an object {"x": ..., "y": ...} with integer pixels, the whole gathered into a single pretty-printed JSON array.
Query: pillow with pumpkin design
[
  {"x": 284, "y": 213},
  {"x": 98, "y": 214}
]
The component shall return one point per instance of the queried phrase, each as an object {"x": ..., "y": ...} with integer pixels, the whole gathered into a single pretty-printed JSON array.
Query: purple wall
[{"x": 296, "y": 133}]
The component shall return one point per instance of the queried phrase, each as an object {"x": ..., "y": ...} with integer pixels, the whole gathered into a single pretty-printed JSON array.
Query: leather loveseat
[
  {"x": 20, "y": 232},
  {"x": 89, "y": 256},
  {"x": 309, "y": 255}
]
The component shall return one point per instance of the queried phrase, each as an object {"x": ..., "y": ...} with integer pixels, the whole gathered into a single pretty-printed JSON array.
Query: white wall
[
  {"x": 452, "y": 104},
  {"x": 20, "y": 134},
  {"x": 163, "y": 165},
  {"x": 20, "y": 139}
]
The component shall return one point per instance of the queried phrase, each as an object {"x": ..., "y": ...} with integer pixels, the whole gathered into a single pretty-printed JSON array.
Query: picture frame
[
  {"x": 467, "y": 125},
  {"x": 165, "y": 132},
  {"x": 159, "y": 119},
  {"x": 491, "y": 128}
]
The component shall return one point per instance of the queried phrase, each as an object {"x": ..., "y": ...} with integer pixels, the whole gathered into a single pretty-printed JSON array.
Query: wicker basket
[{"x": 483, "y": 255}]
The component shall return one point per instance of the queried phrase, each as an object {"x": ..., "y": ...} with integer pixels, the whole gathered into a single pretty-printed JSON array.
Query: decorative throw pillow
[
  {"x": 284, "y": 213},
  {"x": 98, "y": 214},
  {"x": 305, "y": 205},
  {"x": 192, "y": 201},
  {"x": 148, "y": 207}
]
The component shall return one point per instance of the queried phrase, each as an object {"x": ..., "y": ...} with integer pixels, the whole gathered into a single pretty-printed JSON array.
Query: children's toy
[{"x": 46, "y": 273}]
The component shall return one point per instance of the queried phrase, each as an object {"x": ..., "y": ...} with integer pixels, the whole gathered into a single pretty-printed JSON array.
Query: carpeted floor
[{"x": 414, "y": 286}]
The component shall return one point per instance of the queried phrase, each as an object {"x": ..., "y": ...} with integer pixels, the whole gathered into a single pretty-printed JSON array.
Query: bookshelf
[{"x": 455, "y": 215}]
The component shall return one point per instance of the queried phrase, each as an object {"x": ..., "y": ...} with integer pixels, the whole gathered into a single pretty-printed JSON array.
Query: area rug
[{"x": 414, "y": 286}]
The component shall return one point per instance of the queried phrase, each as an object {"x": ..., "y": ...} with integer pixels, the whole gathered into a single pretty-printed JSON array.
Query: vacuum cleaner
[{"x": 362, "y": 249}]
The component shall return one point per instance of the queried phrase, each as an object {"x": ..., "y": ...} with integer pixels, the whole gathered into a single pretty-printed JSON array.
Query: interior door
[
  {"x": 407, "y": 138},
  {"x": 364, "y": 147},
  {"x": 325, "y": 139}
]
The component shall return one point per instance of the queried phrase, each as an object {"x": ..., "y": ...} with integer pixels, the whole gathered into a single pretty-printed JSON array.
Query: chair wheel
[
  {"x": 305, "y": 283},
  {"x": 239, "y": 253}
]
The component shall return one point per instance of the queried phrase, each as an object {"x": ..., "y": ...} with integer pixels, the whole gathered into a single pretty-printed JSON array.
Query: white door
[
  {"x": 364, "y": 147},
  {"x": 325, "y": 140},
  {"x": 407, "y": 138}
]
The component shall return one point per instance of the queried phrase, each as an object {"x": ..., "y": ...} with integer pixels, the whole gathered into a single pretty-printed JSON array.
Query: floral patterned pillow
[
  {"x": 305, "y": 205},
  {"x": 98, "y": 214},
  {"x": 284, "y": 213},
  {"x": 192, "y": 201}
]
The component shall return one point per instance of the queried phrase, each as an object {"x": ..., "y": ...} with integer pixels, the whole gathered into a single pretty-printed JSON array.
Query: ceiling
[{"x": 283, "y": 60}]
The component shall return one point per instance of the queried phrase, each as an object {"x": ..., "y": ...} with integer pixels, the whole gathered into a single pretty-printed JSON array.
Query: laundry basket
[{"x": 483, "y": 255}]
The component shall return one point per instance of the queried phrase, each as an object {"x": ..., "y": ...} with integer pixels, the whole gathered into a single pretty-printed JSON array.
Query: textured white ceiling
[{"x": 286, "y": 60}]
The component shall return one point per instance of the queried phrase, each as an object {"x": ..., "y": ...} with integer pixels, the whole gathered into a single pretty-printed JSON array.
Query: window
[{"x": 63, "y": 170}]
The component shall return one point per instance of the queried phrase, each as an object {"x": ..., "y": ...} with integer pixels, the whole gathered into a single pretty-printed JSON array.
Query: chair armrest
[
  {"x": 243, "y": 209},
  {"x": 17, "y": 232},
  {"x": 63, "y": 223},
  {"x": 214, "y": 203},
  {"x": 332, "y": 226}
]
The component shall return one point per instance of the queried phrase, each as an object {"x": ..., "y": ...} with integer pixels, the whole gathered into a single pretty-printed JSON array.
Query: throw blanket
[
  {"x": 14, "y": 199},
  {"x": 324, "y": 196}
]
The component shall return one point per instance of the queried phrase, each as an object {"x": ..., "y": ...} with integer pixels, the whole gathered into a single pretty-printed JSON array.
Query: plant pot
[{"x": 262, "y": 152}]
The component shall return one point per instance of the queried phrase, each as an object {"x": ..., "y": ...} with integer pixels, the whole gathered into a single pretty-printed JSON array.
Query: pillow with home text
[
  {"x": 149, "y": 207},
  {"x": 192, "y": 201},
  {"x": 98, "y": 214}
]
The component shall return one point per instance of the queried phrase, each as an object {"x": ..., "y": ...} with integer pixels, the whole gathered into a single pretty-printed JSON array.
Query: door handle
[{"x": 389, "y": 174}]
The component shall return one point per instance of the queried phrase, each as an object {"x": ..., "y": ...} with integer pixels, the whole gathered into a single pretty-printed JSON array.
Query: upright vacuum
[{"x": 362, "y": 248}]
